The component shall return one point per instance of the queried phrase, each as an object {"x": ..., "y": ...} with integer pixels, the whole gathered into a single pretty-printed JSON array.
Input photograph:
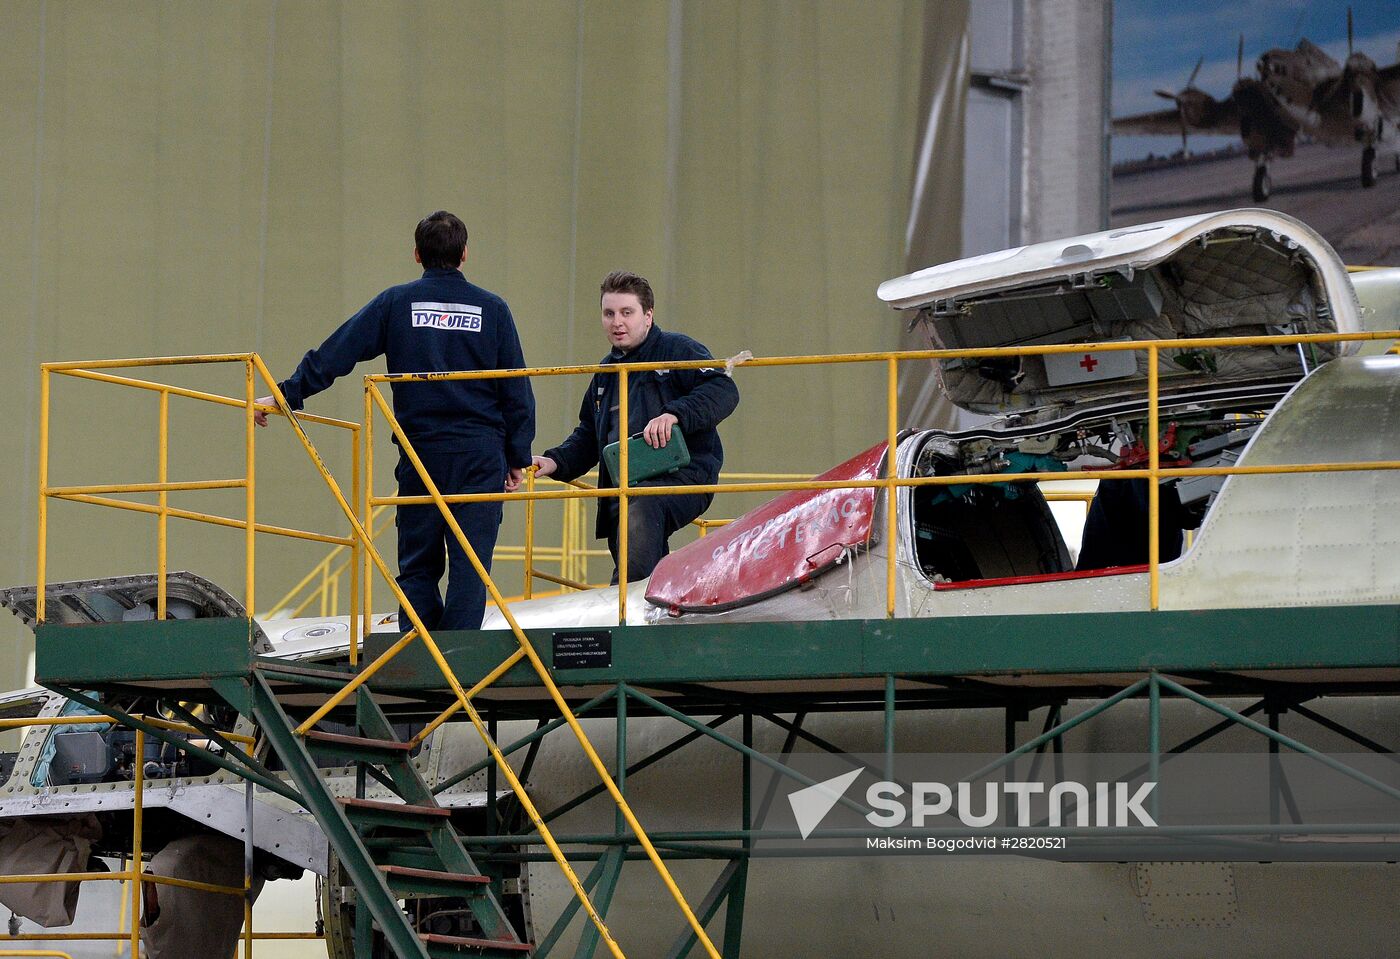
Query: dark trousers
[
  {"x": 427, "y": 544},
  {"x": 650, "y": 522},
  {"x": 1115, "y": 531}
]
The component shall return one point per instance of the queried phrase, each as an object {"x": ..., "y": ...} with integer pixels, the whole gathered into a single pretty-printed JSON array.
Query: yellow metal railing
[
  {"x": 163, "y": 511},
  {"x": 318, "y": 592},
  {"x": 133, "y": 874},
  {"x": 365, "y": 557},
  {"x": 890, "y": 482}
]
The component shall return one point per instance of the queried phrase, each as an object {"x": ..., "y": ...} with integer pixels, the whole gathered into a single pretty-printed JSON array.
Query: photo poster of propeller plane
[{"x": 1292, "y": 105}]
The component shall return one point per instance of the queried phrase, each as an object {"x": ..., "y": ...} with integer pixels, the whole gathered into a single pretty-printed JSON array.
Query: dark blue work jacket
[
  {"x": 440, "y": 323},
  {"x": 699, "y": 399}
]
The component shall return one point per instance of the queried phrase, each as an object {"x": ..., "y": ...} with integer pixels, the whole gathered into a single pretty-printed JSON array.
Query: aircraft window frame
[{"x": 12, "y": 749}]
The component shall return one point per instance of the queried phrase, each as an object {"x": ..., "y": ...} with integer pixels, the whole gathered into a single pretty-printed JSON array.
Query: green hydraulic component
[{"x": 1012, "y": 461}]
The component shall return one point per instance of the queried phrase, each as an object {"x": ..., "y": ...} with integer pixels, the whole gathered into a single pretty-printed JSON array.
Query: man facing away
[
  {"x": 473, "y": 436},
  {"x": 695, "y": 400}
]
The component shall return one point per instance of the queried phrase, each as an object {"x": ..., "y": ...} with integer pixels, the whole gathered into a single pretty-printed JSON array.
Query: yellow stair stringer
[{"x": 526, "y": 650}]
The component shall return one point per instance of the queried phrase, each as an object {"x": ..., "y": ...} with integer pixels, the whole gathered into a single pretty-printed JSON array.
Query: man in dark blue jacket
[
  {"x": 473, "y": 436},
  {"x": 693, "y": 400}
]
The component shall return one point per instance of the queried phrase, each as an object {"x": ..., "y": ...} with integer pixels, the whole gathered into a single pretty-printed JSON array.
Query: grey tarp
[
  {"x": 45, "y": 846},
  {"x": 179, "y": 922}
]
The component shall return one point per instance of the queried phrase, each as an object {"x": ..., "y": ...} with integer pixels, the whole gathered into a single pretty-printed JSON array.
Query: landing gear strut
[
  {"x": 1368, "y": 166},
  {"x": 1263, "y": 186}
]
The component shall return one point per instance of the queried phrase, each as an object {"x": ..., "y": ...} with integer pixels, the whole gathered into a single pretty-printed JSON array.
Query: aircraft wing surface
[
  {"x": 1215, "y": 117},
  {"x": 1157, "y": 123},
  {"x": 1388, "y": 91}
]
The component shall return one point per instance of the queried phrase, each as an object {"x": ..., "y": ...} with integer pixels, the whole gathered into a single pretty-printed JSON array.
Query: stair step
[
  {"x": 411, "y": 882},
  {"x": 447, "y": 946},
  {"x": 371, "y": 812},
  {"x": 322, "y": 677},
  {"x": 417, "y": 836},
  {"x": 357, "y": 747},
  {"x": 411, "y": 857}
]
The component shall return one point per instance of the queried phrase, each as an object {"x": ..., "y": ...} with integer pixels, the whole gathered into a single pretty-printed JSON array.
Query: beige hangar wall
[{"x": 202, "y": 177}]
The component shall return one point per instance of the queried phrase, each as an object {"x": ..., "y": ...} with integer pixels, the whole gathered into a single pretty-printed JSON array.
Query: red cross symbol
[{"x": 1089, "y": 362}]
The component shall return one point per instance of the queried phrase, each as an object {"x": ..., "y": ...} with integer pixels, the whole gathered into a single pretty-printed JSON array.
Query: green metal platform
[
  {"x": 1341, "y": 649},
  {"x": 703, "y": 677}
]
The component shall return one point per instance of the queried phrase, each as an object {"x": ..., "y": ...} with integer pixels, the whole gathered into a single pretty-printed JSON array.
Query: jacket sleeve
[
  {"x": 579, "y": 453},
  {"x": 705, "y": 396},
  {"x": 515, "y": 398},
  {"x": 362, "y": 337}
]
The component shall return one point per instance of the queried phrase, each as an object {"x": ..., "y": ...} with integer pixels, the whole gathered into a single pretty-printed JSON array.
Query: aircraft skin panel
[
  {"x": 1138, "y": 246},
  {"x": 1306, "y": 539},
  {"x": 1101, "y": 594},
  {"x": 1378, "y": 292},
  {"x": 967, "y": 907}
]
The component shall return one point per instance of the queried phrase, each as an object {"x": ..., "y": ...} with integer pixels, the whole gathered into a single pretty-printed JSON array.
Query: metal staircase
[
  {"x": 389, "y": 850},
  {"x": 369, "y": 838}
]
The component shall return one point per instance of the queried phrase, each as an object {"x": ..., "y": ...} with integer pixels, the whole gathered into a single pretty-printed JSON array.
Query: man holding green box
[{"x": 671, "y": 411}]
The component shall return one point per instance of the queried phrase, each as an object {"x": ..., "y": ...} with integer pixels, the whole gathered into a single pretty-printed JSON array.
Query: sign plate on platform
[{"x": 582, "y": 649}]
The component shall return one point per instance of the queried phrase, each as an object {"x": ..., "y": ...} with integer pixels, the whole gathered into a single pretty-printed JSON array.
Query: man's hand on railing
[
  {"x": 544, "y": 466},
  {"x": 260, "y": 416}
]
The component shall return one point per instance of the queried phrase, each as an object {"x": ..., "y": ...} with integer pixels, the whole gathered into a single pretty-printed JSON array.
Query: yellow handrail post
[
  {"x": 357, "y": 497},
  {"x": 42, "y": 551},
  {"x": 623, "y": 432},
  {"x": 247, "y": 872},
  {"x": 247, "y": 920},
  {"x": 568, "y": 543},
  {"x": 121, "y": 913},
  {"x": 250, "y": 497},
  {"x": 1153, "y": 492},
  {"x": 163, "y": 522},
  {"x": 137, "y": 821},
  {"x": 527, "y": 591},
  {"x": 891, "y": 471},
  {"x": 367, "y": 461}
]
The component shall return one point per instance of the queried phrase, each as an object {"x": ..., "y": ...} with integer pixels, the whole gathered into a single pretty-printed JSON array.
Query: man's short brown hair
[
  {"x": 440, "y": 239},
  {"x": 624, "y": 281}
]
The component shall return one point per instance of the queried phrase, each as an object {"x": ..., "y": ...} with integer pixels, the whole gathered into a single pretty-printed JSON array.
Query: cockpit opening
[
  {"x": 986, "y": 532},
  {"x": 966, "y": 531}
]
